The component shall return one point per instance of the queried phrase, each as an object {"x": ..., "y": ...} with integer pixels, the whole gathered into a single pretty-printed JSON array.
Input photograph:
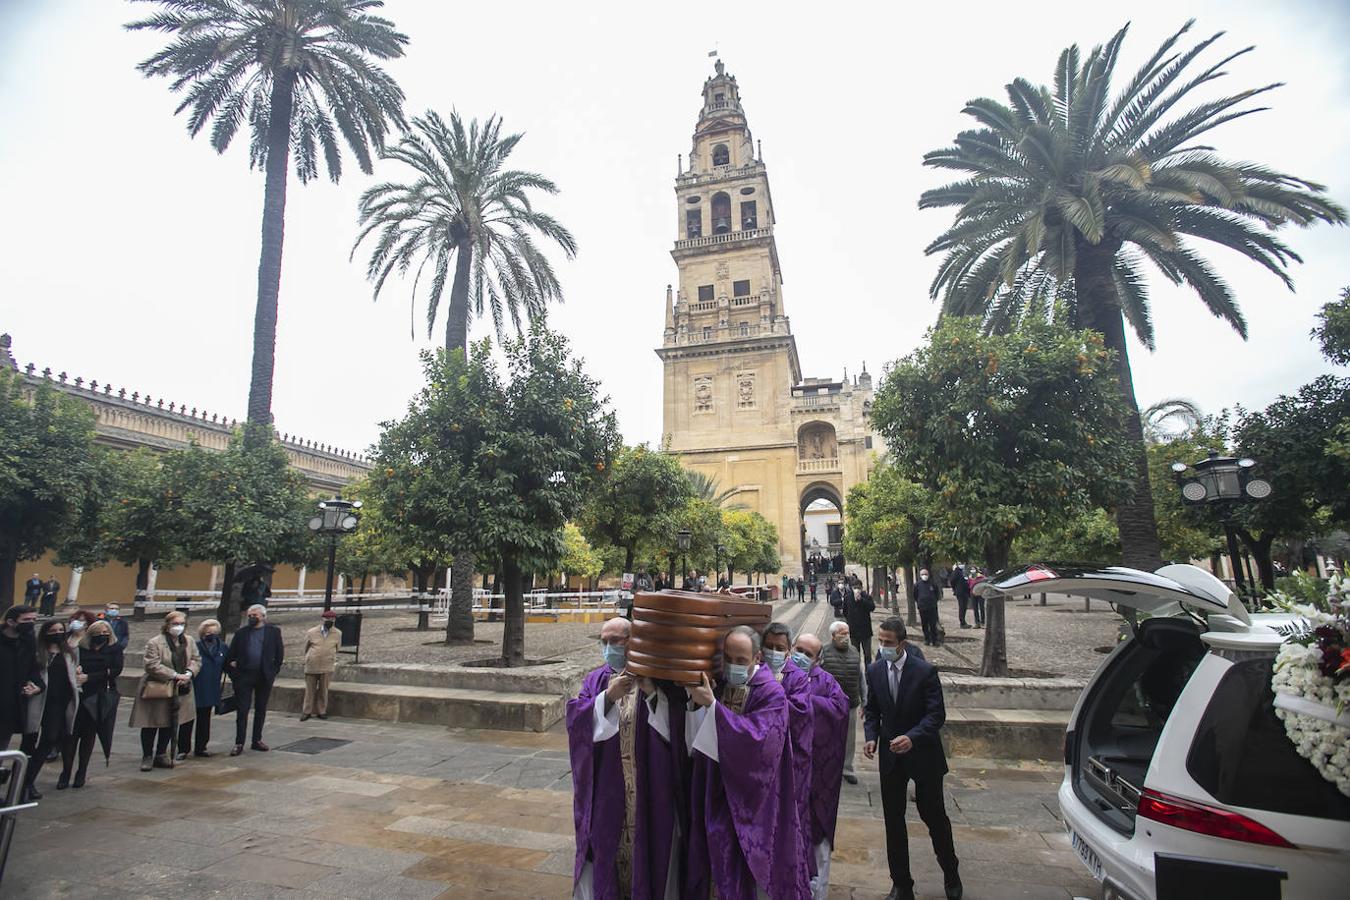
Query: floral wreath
[{"x": 1311, "y": 681}]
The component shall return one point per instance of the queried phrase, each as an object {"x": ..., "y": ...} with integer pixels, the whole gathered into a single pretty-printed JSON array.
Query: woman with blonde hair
[
  {"x": 100, "y": 663},
  {"x": 164, "y": 698},
  {"x": 205, "y": 688},
  {"x": 52, "y": 710}
]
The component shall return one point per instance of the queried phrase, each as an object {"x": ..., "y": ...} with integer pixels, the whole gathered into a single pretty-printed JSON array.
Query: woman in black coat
[{"x": 101, "y": 663}]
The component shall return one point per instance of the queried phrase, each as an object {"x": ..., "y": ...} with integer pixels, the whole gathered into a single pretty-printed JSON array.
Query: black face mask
[
  {"x": 26, "y": 628},
  {"x": 255, "y": 621},
  {"x": 55, "y": 637},
  {"x": 99, "y": 640}
]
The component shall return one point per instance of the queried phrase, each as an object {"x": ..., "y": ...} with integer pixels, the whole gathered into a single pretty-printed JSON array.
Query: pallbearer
[
  {"x": 777, "y": 642},
  {"x": 626, "y": 782},
  {"x": 744, "y": 832},
  {"x": 830, "y": 715}
]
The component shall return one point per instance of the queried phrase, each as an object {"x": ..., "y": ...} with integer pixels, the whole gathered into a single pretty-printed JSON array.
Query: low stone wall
[{"x": 962, "y": 691}]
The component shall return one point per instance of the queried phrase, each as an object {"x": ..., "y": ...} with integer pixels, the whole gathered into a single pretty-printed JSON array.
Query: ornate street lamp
[
  {"x": 682, "y": 538},
  {"x": 336, "y": 517},
  {"x": 1222, "y": 482}
]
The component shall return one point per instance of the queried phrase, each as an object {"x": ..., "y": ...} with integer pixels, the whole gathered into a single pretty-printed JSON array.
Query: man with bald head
[
  {"x": 744, "y": 831},
  {"x": 625, "y": 781},
  {"x": 830, "y": 720}
]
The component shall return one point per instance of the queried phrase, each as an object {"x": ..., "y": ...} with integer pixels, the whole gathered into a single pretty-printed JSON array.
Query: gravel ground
[{"x": 1058, "y": 639}]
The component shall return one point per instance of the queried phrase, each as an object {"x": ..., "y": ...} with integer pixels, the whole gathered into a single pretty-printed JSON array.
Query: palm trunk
[
  {"x": 1099, "y": 307},
  {"x": 513, "y": 633},
  {"x": 457, "y": 323},
  {"x": 995, "y": 661},
  {"x": 459, "y": 624},
  {"x": 269, "y": 263}
]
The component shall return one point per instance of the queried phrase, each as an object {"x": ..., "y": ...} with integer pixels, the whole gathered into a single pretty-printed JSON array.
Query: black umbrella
[{"x": 102, "y": 709}]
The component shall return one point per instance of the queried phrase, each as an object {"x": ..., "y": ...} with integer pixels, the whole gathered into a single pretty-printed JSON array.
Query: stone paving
[{"x": 409, "y": 811}]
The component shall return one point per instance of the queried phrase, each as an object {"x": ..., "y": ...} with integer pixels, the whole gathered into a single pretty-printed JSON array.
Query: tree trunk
[
  {"x": 1260, "y": 550},
  {"x": 628, "y": 558},
  {"x": 227, "y": 613},
  {"x": 459, "y": 624},
  {"x": 911, "y": 611},
  {"x": 142, "y": 574},
  {"x": 457, "y": 322},
  {"x": 1099, "y": 309},
  {"x": 995, "y": 661},
  {"x": 9, "y": 564},
  {"x": 513, "y": 632},
  {"x": 269, "y": 263}
]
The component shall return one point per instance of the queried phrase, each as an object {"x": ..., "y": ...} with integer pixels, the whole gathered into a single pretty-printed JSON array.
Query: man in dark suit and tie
[{"x": 902, "y": 716}]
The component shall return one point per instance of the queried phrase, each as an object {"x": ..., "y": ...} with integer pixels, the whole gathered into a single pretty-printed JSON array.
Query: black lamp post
[
  {"x": 336, "y": 517},
  {"x": 1222, "y": 482},
  {"x": 682, "y": 538}
]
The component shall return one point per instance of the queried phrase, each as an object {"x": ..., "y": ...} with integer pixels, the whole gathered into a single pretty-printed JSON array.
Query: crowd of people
[
  {"x": 59, "y": 686},
  {"x": 732, "y": 786}
]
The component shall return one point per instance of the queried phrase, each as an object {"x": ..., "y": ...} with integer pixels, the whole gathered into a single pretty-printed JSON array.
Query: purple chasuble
[
  {"x": 797, "y": 687},
  {"x": 830, "y": 712},
  {"x": 744, "y": 830},
  {"x": 598, "y": 795}
]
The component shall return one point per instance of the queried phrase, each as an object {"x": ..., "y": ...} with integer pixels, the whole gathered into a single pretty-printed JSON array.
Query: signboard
[{"x": 627, "y": 581}]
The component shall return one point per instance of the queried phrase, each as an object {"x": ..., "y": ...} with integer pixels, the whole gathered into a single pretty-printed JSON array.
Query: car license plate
[{"x": 1087, "y": 855}]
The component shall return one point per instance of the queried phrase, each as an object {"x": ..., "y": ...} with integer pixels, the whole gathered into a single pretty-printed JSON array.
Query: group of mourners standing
[
  {"x": 730, "y": 788},
  {"x": 58, "y": 686}
]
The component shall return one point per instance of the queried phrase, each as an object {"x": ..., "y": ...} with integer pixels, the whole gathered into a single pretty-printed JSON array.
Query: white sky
[{"x": 129, "y": 252}]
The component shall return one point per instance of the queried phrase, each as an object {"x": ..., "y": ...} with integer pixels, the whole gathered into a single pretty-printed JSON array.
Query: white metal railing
[
  {"x": 827, "y": 464},
  {"x": 726, "y": 237},
  {"x": 436, "y": 603}
]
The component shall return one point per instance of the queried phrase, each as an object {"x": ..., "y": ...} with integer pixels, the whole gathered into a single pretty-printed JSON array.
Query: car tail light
[{"x": 1191, "y": 816}]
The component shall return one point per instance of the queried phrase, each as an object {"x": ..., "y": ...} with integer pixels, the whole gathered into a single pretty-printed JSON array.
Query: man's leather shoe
[
  {"x": 237, "y": 749},
  {"x": 259, "y": 745},
  {"x": 897, "y": 894},
  {"x": 851, "y": 779},
  {"x": 954, "y": 889},
  {"x": 304, "y": 717},
  {"x": 323, "y": 715}
]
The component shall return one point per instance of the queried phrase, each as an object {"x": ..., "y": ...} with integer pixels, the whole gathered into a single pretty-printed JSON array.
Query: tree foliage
[
  {"x": 1333, "y": 329},
  {"x": 1009, "y": 432},
  {"x": 636, "y": 503},
  {"x": 578, "y": 557},
  {"x": 49, "y": 472},
  {"x": 1071, "y": 193}
]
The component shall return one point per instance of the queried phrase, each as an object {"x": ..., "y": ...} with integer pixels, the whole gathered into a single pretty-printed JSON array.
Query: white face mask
[
  {"x": 923, "y": 577},
  {"x": 77, "y": 625},
  {"x": 175, "y": 630}
]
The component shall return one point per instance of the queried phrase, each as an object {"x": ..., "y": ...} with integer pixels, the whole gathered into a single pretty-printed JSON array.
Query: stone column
[
  {"x": 300, "y": 583},
  {"x": 214, "y": 585},
  {"x": 150, "y": 581},
  {"x": 73, "y": 589}
]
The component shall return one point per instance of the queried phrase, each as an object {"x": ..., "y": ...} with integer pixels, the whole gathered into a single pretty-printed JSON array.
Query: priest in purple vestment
[
  {"x": 744, "y": 832},
  {"x": 626, "y": 782},
  {"x": 830, "y": 721},
  {"x": 777, "y": 641}
]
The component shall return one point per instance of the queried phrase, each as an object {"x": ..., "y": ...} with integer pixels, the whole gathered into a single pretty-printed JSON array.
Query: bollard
[
  {"x": 1042, "y": 599},
  {"x": 1087, "y": 604}
]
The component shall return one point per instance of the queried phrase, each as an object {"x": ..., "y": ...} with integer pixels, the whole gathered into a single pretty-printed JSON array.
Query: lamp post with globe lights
[
  {"x": 682, "y": 539},
  {"x": 336, "y": 517},
  {"x": 1222, "y": 482}
]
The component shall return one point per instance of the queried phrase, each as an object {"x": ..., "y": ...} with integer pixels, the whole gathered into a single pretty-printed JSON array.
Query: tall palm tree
[
  {"x": 1160, "y": 419},
  {"x": 706, "y": 488},
  {"x": 464, "y": 207},
  {"x": 299, "y": 74},
  {"x": 1069, "y": 191}
]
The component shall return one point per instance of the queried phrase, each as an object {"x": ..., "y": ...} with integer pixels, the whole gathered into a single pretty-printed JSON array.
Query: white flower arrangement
[{"x": 1311, "y": 681}]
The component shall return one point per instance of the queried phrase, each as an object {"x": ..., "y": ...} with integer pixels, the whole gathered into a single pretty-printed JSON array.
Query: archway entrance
[{"x": 822, "y": 531}]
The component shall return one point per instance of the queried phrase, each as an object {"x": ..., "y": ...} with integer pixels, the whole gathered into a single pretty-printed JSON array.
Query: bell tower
[{"x": 730, "y": 358}]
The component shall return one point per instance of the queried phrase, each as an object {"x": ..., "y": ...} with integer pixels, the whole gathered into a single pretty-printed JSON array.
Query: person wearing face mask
[
  {"x": 903, "y": 716},
  {"x": 77, "y": 624},
  {"x": 253, "y": 661},
  {"x": 205, "y": 690},
  {"x": 164, "y": 699},
  {"x": 830, "y": 721},
  {"x": 745, "y": 835},
  {"x": 52, "y": 710},
  {"x": 841, "y": 659},
  {"x": 926, "y": 596},
  {"x": 112, "y": 614},
  {"x": 777, "y": 642},
  {"x": 100, "y": 663},
  {"x": 624, "y": 780},
  {"x": 321, "y": 650},
  {"x": 18, "y": 675}
]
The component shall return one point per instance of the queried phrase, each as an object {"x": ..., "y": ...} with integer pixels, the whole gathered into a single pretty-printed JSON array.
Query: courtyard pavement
[{"x": 409, "y": 811}]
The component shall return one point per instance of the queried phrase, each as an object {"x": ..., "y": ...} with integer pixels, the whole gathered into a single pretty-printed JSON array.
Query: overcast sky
[{"x": 128, "y": 251}]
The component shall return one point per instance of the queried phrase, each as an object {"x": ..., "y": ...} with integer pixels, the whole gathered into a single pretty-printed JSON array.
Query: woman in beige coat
[{"x": 170, "y": 662}]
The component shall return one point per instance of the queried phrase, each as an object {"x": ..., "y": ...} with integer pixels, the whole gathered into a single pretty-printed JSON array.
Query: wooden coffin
[{"x": 677, "y": 635}]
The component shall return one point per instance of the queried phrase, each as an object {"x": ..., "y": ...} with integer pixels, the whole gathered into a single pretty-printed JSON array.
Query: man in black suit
[
  {"x": 253, "y": 660},
  {"x": 902, "y": 716},
  {"x": 858, "y": 609}
]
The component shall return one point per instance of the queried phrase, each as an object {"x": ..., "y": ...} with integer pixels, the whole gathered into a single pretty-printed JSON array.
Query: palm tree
[
  {"x": 707, "y": 489},
  {"x": 299, "y": 74},
  {"x": 1070, "y": 191},
  {"x": 1160, "y": 418},
  {"x": 464, "y": 207}
]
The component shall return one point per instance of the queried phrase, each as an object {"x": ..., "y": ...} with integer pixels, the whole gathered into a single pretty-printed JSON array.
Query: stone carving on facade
[
  {"x": 723, "y": 271},
  {"x": 745, "y": 390},
  {"x": 703, "y": 393}
]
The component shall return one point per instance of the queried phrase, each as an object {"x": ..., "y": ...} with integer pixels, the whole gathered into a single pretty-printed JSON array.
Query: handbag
[
  {"x": 226, "y": 705},
  {"x": 157, "y": 690}
]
